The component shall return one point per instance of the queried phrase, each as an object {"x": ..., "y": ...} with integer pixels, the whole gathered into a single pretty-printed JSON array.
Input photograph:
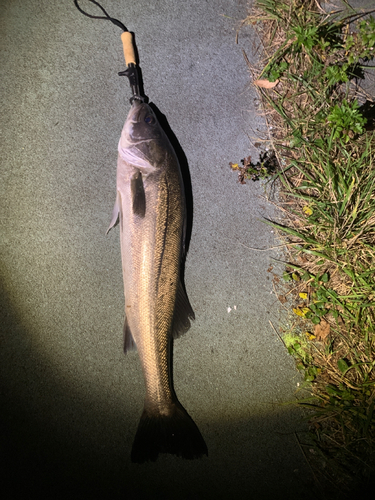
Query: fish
[{"x": 150, "y": 209}]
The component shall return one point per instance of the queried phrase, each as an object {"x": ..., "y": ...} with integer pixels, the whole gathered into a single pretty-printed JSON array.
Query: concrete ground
[{"x": 70, "y": 399}]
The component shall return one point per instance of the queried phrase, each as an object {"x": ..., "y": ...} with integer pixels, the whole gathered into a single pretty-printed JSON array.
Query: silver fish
[{"x": 150, "y": 207}]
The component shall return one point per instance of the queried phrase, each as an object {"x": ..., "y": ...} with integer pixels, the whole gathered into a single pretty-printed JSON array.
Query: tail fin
[{"x": 175, "y": 433}]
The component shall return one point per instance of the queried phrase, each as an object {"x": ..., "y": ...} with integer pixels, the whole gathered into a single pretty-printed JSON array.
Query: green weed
[
  {"x": 327, "y": 146},
  {"x": 346, "y": 120}
]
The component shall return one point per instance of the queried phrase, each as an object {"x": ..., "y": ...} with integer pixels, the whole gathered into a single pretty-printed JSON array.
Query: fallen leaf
[
  {"x": 282, "y": 299},
  {"x": 241, "y": 177},
  {"x": 269, "y": 269},
  {"x": 266, "y": 84},
  {"x": 322, "y": 330}
]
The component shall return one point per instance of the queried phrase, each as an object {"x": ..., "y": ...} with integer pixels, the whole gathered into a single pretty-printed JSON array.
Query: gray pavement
[{"x": 70, "y": 399}]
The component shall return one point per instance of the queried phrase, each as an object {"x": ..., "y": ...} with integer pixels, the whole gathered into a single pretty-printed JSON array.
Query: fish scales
[
  {"x": 150, "y": 205},
  {"x": 159, "y": 279}
]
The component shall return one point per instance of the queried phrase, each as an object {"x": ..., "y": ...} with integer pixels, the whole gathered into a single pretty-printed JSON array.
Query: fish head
[{"x": 143, "y": 142}]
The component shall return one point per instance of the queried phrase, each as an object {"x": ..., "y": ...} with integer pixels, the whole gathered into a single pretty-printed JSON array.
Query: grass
[{"x": 323, "y": 137}]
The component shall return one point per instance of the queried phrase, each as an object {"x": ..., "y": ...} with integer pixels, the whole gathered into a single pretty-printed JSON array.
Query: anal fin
[
  {"x": 129, "y": 344},
  {"x": 183, "y": 313}
]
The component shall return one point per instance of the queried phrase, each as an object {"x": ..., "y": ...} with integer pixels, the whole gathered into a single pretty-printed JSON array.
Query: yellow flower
[
  {"x": 310, "y": 336},
  {"x": 303, "y": 295},
  {"x": 307, "y": 210},
  {"x": 301, "y": 311}
]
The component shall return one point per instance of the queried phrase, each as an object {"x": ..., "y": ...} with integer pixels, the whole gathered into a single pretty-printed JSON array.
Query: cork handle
[{"x": 127, "y": 43}]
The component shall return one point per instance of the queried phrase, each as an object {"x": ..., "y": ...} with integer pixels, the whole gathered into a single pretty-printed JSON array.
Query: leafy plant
[
  {"x": 336, "y": 74},
  {"x": 346, "y": 120},
  {"x": 306, "y": 37},
  {"x": 277, "y": 70},
  {"x": 367, "y": 37}
]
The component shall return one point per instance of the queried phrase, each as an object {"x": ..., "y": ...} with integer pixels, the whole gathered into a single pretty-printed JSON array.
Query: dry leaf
[
  {"x": 241, "y": 177},
  {"x": 322, "y": 330},
  {"x": 266, "y": 84},
  {"x": 282, "y": 299},
  {"x": 246, "y": 162}
]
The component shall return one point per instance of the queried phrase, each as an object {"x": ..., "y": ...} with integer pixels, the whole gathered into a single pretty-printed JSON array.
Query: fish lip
[{"x": 136, "y": 110}]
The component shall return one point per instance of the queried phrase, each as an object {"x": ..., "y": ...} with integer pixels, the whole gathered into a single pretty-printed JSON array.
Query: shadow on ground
[{"x": 59, "y": 442}]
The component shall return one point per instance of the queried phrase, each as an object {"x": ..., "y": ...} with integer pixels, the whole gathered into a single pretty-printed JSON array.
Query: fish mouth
[
  {"x": 141, "y": 127},
  {"x": 136, "y": 111},
  {"x": 133, "y": 136}
]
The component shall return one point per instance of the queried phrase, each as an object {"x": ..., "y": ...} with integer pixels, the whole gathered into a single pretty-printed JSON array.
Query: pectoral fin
[
  {"x": 183, "y": 313},
  {"x": 115, "y": 214},
  {"x": 138, "y": 194}
]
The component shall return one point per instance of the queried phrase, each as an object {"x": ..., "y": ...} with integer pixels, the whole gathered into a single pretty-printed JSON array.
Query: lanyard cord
[
  {"x": 132, "y": 71},
  {"x": 106, "y": 16}
]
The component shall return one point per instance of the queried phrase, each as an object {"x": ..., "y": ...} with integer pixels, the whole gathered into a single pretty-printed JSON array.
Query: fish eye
[{"x": 149, "y": 119}]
